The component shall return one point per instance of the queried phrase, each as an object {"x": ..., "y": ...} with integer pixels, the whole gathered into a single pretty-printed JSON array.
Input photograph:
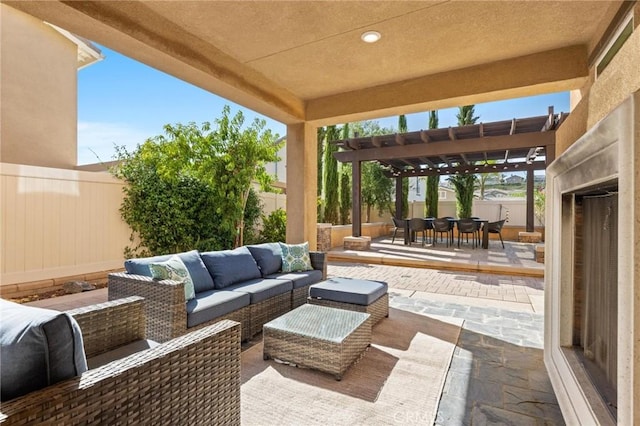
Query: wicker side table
[{"x": 318, "y": 337}]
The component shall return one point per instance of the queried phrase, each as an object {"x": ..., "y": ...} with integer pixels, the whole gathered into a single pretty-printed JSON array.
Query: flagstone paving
[{"x": 497, "y": 373}]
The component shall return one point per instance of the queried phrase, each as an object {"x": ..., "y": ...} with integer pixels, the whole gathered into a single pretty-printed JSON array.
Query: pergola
[{"x": 517, "y": 145}]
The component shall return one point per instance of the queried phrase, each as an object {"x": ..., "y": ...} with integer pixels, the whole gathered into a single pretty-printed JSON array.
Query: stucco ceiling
[{"x": 304, "y": 60}]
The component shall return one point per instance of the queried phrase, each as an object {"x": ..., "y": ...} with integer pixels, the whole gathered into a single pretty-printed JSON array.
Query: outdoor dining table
[{"x": 408, "y": 235}]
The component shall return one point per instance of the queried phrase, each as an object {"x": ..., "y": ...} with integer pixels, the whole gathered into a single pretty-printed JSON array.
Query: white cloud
[{"x": 96, "y": 140}]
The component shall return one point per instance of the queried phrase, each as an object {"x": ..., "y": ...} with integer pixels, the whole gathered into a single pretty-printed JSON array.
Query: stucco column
[{"x": 302, "y": 171}]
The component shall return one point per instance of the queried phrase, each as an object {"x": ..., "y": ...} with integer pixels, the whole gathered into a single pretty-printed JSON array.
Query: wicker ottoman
[
  {"x": 326, "y": 339},
  {"x": 354, "y": 295}
]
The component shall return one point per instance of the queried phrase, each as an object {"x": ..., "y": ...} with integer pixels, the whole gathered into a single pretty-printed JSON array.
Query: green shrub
[
  {"x": 252, "y": 213},
  {"x": 189, "y": 188},
  {"x": 274, "y": 227}
]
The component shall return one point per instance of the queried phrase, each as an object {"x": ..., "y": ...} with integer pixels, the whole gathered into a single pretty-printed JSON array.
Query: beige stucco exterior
[{"x": 38, "y": 100}]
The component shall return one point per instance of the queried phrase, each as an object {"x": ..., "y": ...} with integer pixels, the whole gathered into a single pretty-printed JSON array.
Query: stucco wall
[
  {"x": 38, "y": 100},
  {"x": 601, "y": 95}
]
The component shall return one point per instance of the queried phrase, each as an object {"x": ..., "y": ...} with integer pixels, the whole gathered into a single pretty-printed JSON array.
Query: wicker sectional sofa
[{"x": 244, "y": 285}]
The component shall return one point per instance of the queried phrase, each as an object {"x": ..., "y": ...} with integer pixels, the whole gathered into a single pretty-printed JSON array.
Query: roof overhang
[
  {"x": 304, "y": 61},
  {"x": 88, "y": 53}
]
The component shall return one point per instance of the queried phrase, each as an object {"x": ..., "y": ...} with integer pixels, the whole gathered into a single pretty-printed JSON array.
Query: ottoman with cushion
[{"x": 352, "y": 294}]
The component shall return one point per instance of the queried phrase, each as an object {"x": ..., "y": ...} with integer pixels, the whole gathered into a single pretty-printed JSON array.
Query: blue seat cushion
[
  {"x": 213, "y": 304},
  {"x": 299, "y": 279},
  {"x": 38, "y": 347},
  {"x": 229, "y": 267},
  {"x": 262, "y": 289},
  {"x": 347, "y": 290},
  {"x": 268, "y": 256},
  {"x": 200, "y": 276}
]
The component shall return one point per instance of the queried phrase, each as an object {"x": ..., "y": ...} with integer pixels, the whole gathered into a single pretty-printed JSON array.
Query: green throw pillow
[
  {"x": 174, "y": 269},
  {"x": 295, "y": 257}
]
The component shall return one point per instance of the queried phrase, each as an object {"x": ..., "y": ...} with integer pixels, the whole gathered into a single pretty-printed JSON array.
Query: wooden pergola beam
[
  {"x": 476, "y": 169},
  {"x": 475, "y": 145},
  {"x": 452, "y": 134}
]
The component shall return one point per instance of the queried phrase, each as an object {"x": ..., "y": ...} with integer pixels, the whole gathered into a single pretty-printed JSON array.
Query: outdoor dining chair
[
  {"x": 466, "y": 227},
  {"x": 418, "y": 225},
  {"x": 398, "y": 225},
  {"x": 452, "y": 223},
  {"x": 496, "y": 228},
  {"x": 479, "y": 228},
  {"x": 441, "y": 226}
]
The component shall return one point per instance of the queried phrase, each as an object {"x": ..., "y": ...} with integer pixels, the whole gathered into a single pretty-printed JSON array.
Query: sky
[{"x": 124, "y": 102}]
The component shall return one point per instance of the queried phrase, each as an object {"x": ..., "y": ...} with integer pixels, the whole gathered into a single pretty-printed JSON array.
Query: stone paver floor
[{"x": 497, "y": 374}]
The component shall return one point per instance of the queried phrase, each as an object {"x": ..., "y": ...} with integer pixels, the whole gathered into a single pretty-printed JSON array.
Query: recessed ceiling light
[{"x": 370, "y": 36}]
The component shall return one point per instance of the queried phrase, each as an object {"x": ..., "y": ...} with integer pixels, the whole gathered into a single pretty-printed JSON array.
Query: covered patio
[{"x": 307, "y": 64}]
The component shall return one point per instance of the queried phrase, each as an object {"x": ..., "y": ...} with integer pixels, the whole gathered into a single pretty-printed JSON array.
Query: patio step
[{"x": 377, "y": 259}]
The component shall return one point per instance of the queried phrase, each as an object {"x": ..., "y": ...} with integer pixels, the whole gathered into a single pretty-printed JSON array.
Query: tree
[
  {"x": 321, "y": 132},
  {"x": 345, "y": 184},
  {"x": 252, "y": 213},
  {"x": 465, "y": 115},
  {"x": 224, "y": 158},
  {"x": 369, "y": 128},
  {"x": 376, "y": 188},
  {"x": 539, "y": 203},
  {"x": 464, "y": 183},
  {"x": 331, "y": 179},
  {"x": 433, "y": 182},
  {"x": 402, "y": 128},
  {"x": 464, "y": 186},
  {"x": 431, "y": 196},
  {"x": 345, "y": 194}
]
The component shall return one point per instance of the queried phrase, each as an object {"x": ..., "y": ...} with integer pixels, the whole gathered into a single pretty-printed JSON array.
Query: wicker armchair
[{"x": 193, "y": 379}]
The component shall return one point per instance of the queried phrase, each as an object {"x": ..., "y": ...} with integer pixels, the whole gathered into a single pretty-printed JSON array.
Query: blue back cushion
[
  {"x": 200, "y": 276},
  {"x": 38, "y": 347},
  {"x": 268, "y": 256},
  {"x": 231, "y": 266}
]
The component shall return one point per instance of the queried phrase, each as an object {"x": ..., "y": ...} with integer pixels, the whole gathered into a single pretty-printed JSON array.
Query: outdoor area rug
[{"x": 398, "y": 380}]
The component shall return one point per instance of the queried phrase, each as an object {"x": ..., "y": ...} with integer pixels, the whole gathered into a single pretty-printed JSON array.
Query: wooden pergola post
[
  {"x": 356, "y": 209},
  {"x": 529, "y": 200}
]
